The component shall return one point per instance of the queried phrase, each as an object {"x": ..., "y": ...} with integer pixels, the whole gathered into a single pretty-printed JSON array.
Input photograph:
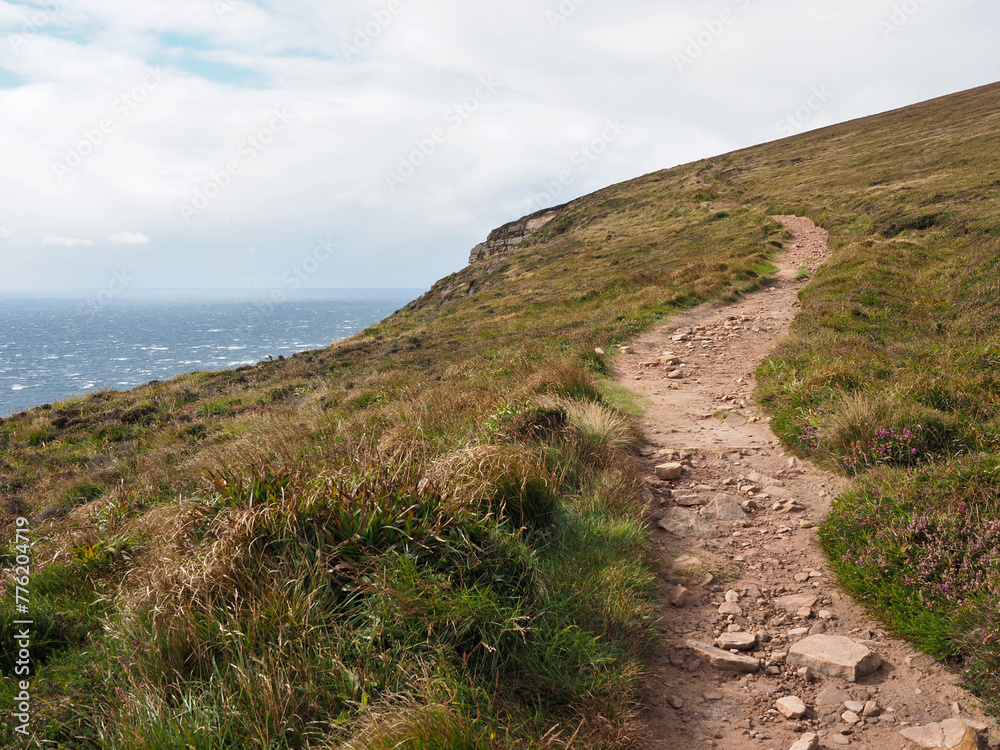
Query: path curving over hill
[{"x": 754, "y": 554}]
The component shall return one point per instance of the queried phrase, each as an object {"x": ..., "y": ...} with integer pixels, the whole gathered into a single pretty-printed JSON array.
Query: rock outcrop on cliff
[{"x": 509, "y": 236}]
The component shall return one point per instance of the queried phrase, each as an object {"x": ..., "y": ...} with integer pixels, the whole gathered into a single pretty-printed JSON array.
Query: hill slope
[{"x": 431, "y": 532}]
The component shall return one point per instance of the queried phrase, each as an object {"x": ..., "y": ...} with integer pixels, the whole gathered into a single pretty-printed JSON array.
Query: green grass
[
  {"x": 891, "y": 372},
  {"x": 621, "y": 398},
  {"x": 431, "y": 535},
  {"x": 510, "y": 592}
]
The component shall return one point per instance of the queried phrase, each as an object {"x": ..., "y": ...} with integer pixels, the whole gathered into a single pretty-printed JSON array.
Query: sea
[{"x": 53, "y": 347}]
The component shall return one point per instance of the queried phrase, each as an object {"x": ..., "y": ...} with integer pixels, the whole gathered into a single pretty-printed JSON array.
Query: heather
[{"x": 923, "y": 546}]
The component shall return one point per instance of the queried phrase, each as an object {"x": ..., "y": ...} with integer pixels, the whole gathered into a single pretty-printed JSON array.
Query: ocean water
[{"x": 54, "y": 347}]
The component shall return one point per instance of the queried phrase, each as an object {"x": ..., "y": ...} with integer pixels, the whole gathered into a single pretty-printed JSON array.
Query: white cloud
[
  {"x": 130, "y": 238},
  {"x": 65, "y": 241},
  {"x": 5, "y": 233},
  {"x": 77, "y": 92}
]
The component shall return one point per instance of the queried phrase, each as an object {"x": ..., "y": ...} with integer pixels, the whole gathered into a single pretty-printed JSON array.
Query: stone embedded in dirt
[
  {"x": 779, "y": 492},
  {"x": 871, "y": 710},
  {"x": 808, "y": 741},
  {"x": 832, "y": 696},
  {"x": 834, "y": 656},
  {"x": 625, "y": 350},
  {"x": 850, "y": 717},
  {"x": 678, "y": 597},
  {"x": 731, "y": 608},
  {"x": 669, "y": 471},
  {"x": 732, "y": 596},
  {"x": 675, "y": 703},
  {"x": 950, "y": 734},
  {"x": 764, "y": 481},
  {"x": 686, "y": 564},
  {"x": 787, "y": 506},
  {"x": 795, "y": 602},
  {"x": 739, "y": 641},
  {"x": 725, "y": 508},
  {"x": 713, "y": 695},
  {"x": 675, "y": 375},
  {"x": 855, "y": 706},
  {"x": 791, "y": 707},
  {"x": 667, "y": 359},
  {"x": 723, "y": 659},
  {"x": 839, "y": 739},
  {"x": 689, "y": 501},
  {"x": 683, "y": 523}
]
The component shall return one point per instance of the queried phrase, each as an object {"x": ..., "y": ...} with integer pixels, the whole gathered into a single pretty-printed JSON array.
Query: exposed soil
[{"x": 707, "y": 420}]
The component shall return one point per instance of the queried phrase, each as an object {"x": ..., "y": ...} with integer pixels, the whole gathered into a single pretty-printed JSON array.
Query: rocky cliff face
[{"x": 509, "y": 236}]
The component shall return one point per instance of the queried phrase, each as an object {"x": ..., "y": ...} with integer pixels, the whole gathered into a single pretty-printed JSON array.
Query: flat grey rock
[
  {"x": 669, "y": 471},
  {"x": 950, "y": 734},
  {"x": 684, "y": 523},
  {"x": 808, "y": 741},
  {"x": 739, "y": 641},
  {"x": 723, "y": 659},
  {"x": 832, "y": 696},
  {"x": 724, "y": 508},
  {"x": 791, "y": 707},
  {"x": 795, "y": 602},
  {"x": 834, "y": 656}
]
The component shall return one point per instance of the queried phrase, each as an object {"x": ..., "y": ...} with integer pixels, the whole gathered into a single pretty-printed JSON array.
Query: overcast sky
[{"x": 270, "y": 144}]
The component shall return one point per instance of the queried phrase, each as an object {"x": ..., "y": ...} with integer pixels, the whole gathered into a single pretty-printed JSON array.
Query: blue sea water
[{"x": 55, "y": 347}]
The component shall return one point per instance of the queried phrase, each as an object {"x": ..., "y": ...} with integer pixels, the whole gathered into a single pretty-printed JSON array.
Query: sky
[{"x": 286, "y": 144}]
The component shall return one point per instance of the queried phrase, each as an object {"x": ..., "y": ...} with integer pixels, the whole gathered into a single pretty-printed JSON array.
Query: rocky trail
[{"x": 760, "y": 649}]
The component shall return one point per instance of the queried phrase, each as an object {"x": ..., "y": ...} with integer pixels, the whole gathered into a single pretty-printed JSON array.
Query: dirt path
[{"x": 763, "y": 568}]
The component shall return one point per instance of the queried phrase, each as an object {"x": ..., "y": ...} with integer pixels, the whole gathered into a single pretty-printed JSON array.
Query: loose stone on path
[
  {"x": 723, "y": 659},
  {"x": 834, "y": 656}
]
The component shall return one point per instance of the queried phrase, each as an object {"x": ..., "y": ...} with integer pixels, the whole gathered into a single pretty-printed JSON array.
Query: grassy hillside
[
  {"x": 893, "y": 371},
  {"x": 430, "y": 535}
]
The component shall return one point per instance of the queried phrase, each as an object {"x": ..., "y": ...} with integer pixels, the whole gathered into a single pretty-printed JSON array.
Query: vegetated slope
[
  {"x": 430, "y": 535},
  {"x": 893, "y": 371}
]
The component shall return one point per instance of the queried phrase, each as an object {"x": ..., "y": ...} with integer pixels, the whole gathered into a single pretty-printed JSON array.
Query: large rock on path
[
  {"x": 795, "y": 602},
  {"x": 950, "y": 734},
  {"x": 725, "y": 508},
  {"x": 739, "y": 641},
  {"x": 763, "y": 480},
  {"x": 808, "y": 741},
  {"x": 723, "y": 659},
  {"x": 669, "y": 471},
  {"x": 834, "y": 656},
  {"x": 832, "y": 696},
  {"x": 685, "y": 523},
  {"x": 791, "y": 707}
]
